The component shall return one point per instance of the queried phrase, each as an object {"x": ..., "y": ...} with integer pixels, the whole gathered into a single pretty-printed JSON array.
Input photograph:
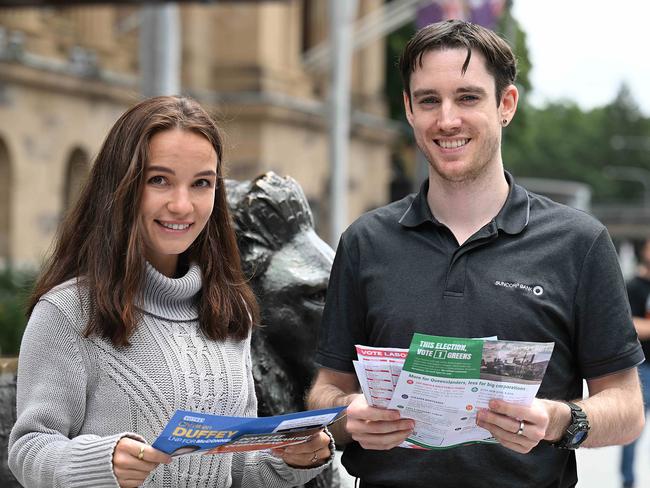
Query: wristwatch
[{"x": 577, "y": 431}]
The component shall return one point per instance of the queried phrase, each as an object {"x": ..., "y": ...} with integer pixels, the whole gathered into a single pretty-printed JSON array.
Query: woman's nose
[{"x": 180, "y": 202}]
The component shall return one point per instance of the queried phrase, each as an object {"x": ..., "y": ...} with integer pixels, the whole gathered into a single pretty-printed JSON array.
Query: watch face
[{"x": 578, "y": 438}]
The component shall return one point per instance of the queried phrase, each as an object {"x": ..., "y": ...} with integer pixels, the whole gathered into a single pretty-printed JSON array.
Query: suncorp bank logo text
[{"x": 534, "y": 289}]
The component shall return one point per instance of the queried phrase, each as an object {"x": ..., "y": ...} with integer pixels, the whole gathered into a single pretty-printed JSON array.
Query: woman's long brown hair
[{"x": 100, "y": 242}]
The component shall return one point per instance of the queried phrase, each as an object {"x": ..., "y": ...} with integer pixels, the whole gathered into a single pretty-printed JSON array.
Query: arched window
[
  {"x": 75, "y": 177},
  {"x": 5, "y": 205}
]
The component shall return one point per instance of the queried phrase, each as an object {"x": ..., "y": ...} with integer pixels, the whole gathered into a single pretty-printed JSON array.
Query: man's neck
[{"x": 465, "y": 207}]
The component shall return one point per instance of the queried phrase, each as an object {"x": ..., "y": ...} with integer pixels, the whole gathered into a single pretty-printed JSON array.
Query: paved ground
[{"x": 597, "y": 468}]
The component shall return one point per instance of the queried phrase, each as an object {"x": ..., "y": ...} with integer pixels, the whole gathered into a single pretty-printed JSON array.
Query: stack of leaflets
[
  {"x": 191, "y": 432},
  {"x": 442, "y": 382}
]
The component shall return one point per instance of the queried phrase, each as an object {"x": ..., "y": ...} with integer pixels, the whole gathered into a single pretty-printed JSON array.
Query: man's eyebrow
[
  {"x": 424, "y": 91},
  {"x": 463, "y": 89},
  {"x": 471, "y": 89}
]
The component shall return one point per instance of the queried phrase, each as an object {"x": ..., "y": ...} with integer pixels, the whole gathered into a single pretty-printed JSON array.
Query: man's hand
[
  {"x": 376, "y": 428},
  {"x": 373, "y": 428},
  {"x": 520, "y": 428}
]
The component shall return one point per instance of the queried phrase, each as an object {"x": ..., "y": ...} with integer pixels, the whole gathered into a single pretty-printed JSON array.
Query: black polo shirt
[{"x": 539, "y": 271}]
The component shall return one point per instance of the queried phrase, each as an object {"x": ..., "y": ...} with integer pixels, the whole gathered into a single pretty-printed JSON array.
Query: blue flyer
[{"x": 191, "y": 432}]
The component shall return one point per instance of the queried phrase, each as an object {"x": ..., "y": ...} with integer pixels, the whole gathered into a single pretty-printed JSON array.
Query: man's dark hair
[{"x": 452, "y": 34}]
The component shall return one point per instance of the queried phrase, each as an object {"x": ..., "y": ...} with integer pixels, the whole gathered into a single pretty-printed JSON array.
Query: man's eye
[
  {"x": 428, "y": 101},
  {"x": 469, "y": 98}
]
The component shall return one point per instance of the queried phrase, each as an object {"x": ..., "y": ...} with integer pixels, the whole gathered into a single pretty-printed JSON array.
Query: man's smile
[{"x": 451, "y": 143}]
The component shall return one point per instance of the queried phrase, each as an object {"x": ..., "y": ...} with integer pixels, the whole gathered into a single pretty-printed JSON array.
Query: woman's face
[{"x": 178, "y": 195}]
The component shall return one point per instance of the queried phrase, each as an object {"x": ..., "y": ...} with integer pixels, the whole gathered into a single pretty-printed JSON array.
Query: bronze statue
[{"x": 289, "y": 266}]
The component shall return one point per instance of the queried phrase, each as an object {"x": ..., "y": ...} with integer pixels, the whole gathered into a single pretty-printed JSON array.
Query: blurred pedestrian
[{"x": 638, "y": 292}]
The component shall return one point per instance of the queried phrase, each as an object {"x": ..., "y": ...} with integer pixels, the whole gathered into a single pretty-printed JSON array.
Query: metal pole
[
  {"x": 160, "y": 54},
  {"x": 341, "y": 16}
]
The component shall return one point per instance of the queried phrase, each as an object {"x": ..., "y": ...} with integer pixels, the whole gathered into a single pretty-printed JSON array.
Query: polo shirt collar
[
  {"x": 418, "y": 211},
  {"x": 511, "y": 219},
  {"x": 513, "y": 216}
]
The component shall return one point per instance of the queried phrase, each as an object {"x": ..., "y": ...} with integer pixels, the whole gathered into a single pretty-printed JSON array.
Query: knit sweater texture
[{"x": 78, "y": 396}]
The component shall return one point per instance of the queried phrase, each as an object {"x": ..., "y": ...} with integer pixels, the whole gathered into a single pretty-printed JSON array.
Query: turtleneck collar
[{"x": 172, "y": 298}]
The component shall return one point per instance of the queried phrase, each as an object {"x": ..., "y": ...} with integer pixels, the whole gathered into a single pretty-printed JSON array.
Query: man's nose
[{"x": 449, "y": 117}]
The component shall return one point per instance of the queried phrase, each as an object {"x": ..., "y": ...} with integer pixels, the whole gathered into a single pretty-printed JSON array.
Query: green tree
[
  {"x": 563, "y": 141},
  {"x": 14, "y": 291}
]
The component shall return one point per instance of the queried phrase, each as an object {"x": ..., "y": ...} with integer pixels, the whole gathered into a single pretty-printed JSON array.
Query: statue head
[{"x": 289, "y": 267}]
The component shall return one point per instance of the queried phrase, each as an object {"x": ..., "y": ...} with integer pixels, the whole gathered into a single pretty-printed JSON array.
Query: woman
[{"x": 142, "y": 309}]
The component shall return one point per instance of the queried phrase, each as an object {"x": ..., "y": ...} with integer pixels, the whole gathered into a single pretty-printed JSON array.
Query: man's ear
[
  {"x": 509, "y": 101},
  {"x": 408, "y": 109}
]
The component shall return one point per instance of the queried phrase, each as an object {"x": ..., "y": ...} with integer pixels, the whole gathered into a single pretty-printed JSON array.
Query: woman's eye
[
  {"x": 157, "y": 180},
  {"x": 203, "y": 183}
]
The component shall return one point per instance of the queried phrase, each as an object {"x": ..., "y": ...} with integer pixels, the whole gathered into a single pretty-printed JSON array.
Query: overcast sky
[{"x": 583, "y": 49}]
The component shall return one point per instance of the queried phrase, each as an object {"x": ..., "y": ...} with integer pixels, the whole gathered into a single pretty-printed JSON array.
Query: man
[
  {"x": 638, "y": 291},
  {"x": 474, "y": 255}
]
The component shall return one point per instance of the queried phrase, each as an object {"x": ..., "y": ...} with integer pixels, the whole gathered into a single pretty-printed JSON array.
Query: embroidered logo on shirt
[{"x": 536, "y": 290}]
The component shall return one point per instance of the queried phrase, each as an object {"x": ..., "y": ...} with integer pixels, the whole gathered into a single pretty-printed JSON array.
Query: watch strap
[{"x": 577, "y": 430}]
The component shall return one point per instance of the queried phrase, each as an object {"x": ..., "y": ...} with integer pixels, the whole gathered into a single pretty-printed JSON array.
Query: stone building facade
[{"x": 66, "y": 74}]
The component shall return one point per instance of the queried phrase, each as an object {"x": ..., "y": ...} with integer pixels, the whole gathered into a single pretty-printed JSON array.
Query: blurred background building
[
  {"x": 67, "y": 73},
  {"x": 69, "y": 68}
]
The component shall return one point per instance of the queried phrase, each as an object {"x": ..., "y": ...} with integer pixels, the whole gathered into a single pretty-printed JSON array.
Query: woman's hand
[
  {"x": 310, "y": 454},
  {"x": 134, "y": 460}
]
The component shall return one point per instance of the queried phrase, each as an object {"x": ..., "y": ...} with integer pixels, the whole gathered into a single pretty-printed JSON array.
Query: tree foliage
[
  {"x": 15, "y": 287},
  {"x": 563, "y": 141}
]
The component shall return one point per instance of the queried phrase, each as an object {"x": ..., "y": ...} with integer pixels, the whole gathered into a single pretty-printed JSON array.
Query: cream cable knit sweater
[{"x": 76, "y": 396}]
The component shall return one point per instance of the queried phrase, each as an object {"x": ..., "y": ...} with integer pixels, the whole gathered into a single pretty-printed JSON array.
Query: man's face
[{"x": 454, "y": 115}]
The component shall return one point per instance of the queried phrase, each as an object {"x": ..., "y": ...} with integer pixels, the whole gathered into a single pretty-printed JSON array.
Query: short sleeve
[
  {"x": 606, "y": 339},
  {"x": 342, "y": 325}
]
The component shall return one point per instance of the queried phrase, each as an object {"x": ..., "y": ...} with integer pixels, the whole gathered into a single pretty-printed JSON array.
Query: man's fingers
[
  {"x": 509, "y": 409},
  {"x": 359, "y": 409},
  {"x": 508, "y": 431},
  {"x": 380, "y": 427},
  {"x": 381, "y": 441},
  {"x": 376, "y": 428},
  {"x": 534, "y": 414},
  {"x": 381, "y": 414},
  {"x": 508, "y": 424}
]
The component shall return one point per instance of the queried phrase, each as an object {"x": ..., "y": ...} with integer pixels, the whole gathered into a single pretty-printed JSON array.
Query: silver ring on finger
[
  {"x": 314, "y": 458},
  {"x": 522, "y": 424}
]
